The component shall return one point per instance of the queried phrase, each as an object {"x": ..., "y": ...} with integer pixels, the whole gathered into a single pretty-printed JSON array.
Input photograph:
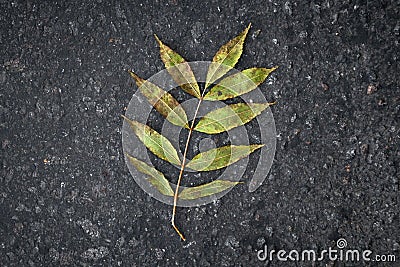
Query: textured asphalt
[{"x": 66, "y": 195}]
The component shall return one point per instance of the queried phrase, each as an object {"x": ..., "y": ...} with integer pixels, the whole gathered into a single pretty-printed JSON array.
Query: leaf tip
[
  {"x": 268, "y": 104},
  {"x": 246, "y": 30},
  {"x": 133, "y": 160},
  {"x": 124, "y": 117},
  {"x": 272, "y": 103},
  {"x": 133, "y": 75},
  {"x": 256, "y": 147},
  {"x": 158, "y": 40},
  {"x": 139, "y": 81},
  {"x": 133, "y": 124},
  {"x": 274, "y": 68}
]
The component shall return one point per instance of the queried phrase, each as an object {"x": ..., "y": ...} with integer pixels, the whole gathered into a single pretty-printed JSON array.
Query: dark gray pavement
[{"x": 66, "y": 196}]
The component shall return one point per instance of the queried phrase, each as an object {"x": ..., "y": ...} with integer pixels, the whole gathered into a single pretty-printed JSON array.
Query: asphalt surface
[{"x": 66, "y": 195}]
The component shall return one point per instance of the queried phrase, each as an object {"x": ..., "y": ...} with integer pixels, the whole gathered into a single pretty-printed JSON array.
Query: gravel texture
[{"x": 66, "y": 196}]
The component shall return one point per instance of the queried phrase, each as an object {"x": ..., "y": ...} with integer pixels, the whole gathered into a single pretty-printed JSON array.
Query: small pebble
[{"x": 371, "y": 89}]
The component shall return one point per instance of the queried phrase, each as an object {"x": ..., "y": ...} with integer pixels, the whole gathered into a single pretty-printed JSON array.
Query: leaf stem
[{"x": 183, "y": 167}]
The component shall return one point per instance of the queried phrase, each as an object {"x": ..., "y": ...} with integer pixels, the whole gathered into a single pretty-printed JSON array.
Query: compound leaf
[
  {"x": 156, "y": 178},
  {"x": 179, "y": 69},
  {"x": 226, "y": 57},
  {"x": 162, "y": 101},
  {"x": 155, "y": 142},
  {"x": 221, "y": 157},
  {"x": 228, "y": 117},
  {"x": 238, "y": 84},
  {"x": 204, "y": 190}
]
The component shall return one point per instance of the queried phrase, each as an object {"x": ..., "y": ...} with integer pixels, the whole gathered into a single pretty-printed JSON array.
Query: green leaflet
[
  {"x": 162, "y": 101},
  {"x": 179, "y": 69},
  {"x": 226, "y": 57},
  {"x": 221, "y": 157},
  {"x": 204, "y": 190},
  {"x": 155, "y": 142},
  {"x": 156, "y": 178},
  {"x": 229, "y": 117},
  {"x": 216, "y": 121},
  {"x": 238, "y": 84}
]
